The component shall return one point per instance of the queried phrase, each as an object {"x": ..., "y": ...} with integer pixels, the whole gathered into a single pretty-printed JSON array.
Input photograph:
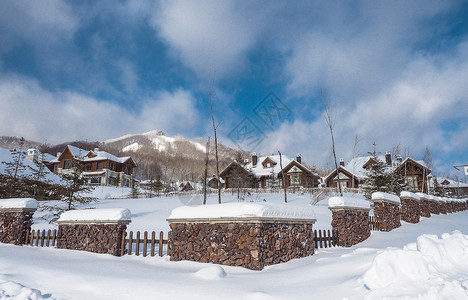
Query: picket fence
[{"x": 152, "y": 244}]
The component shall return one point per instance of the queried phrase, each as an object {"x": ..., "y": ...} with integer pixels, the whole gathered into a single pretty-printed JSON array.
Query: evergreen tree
[
  {"x": 16, "y": 166},
  {"x": 38, "y": 174},
  {"x": 437, "y": 190},
  {"x": 378, "y": 177},
  {"x": 397, "y": 182},
  {"x": 135, "y": 191},
  {"x": 76, "y": 186}
]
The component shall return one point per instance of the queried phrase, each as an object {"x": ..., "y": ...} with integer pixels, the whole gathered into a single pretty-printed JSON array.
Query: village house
[
  {"x": 100, "y": 167},
  {"x": 354, "y": 174},
  {"x": 266, "y": 172}
]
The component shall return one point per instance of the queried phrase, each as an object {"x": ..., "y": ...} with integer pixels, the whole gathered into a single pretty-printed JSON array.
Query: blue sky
[{"x": 396, "y": 70}]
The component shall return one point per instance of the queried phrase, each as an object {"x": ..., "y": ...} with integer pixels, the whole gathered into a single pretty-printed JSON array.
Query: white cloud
[
  {"x": 37, "y": 114},
  {"x": 205, "y": 34}
]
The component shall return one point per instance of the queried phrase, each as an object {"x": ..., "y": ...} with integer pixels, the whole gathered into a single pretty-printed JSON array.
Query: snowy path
[{"x": 329, "y": 274}]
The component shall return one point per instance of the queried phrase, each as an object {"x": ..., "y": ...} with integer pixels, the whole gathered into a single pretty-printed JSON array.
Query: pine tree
[
  {"x": 16, "y": 166},
  {"x": 397, "y": 182},
  {"x": 76, "y": 186},
  {"x": 378, "y": 177},
  {"x": 135, "y": 191},
  {"x": 437, "y": 190},
  {"x": 38, "y": 174}
]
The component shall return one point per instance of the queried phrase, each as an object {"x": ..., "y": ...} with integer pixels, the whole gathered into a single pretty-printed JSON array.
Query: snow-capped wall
[
  {"x": 27, "y": 203},
  {"x": 406, "y": 194},
  {"x": 104, "y": 215},
  {"x": 385, "y": 197},
  {"x": 351, "y": 202}
]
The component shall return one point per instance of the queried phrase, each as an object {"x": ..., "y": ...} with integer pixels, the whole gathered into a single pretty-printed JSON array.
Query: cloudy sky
[{"x": 396, "y": 71}]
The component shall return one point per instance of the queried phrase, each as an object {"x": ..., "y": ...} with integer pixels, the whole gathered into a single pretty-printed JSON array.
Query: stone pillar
[
  {"x": 350, "y": 219},
  {"x": 442, "y": 205},
  {"x": 434, "y": 205},
  {"x": 250, "y": 235},
  {"x": 16, "y": 218},
  {"x": 387, "y": 210},
  {"x": 93, "y": 230},
  {"x": 410, "y": 208},
  {"x": 424, "y": 205}
]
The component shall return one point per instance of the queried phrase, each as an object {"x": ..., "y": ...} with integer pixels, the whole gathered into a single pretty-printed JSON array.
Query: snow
[
  {"x": 242, "y": 210},
  {"x": 423, "y": 196},
  {"x": 101, "y": 215},
  {"x": 435, "y": 247},
  {"x": 5, "y": 156},
  {"x": 132, "y": 147},
  {"x": 386, "y": 197},
  {"x": 358, "y": 202},
  {"x": 406, "y": 194},
  {"x": 431, "y": 268},
  {"x": 18, "y": 203}
]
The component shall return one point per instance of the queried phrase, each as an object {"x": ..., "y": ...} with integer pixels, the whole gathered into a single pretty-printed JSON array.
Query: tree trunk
[{"x": 284, "y": 179}]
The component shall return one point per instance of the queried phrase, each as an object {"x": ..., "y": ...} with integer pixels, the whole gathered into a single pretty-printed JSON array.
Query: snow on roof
[
  {"x": 258, "y": 170},
  {"x": 386, "y": 197},
  {"x": 356, "y": 202},
  {"x": 242, "y": 210},
  {"x": 102, "y": 155},
  {"x": 450, "y": 183},
  {"x": 18, "y": 203},
  {"x": 104, "y": 215},
  {"x": 406, "y": 194}
]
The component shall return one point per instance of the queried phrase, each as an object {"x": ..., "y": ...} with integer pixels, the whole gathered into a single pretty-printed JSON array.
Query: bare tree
[
  {"x": 284, "y": 179},
  {"x": 215, "y": 136},
  {"x": 330, "y": 117},
  {"x": 356, "y": 153},
  {"x": 205, "y": 175}
]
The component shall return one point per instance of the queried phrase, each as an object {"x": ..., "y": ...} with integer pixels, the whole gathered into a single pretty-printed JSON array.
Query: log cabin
[{"x": 100, "y": 167}]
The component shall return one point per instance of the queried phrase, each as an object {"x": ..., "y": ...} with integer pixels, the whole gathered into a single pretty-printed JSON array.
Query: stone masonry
[
  {"x": 425, "y": 207},
  {"x": 388, "y": 213},
  {"x": 410, "y": 210},
  {"x": 248, "y": 244},
  {"x": 98, "y": 238},
  {"x": 14, "y": 223},
  {"x": 434, "y": 206},
  {"x": 352, "y": 225}
]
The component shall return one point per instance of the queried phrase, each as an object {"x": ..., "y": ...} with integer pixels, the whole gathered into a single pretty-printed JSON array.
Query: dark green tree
[
  {"x": 437, "y": 190},
  {"x": 135, "y": 192},
  {"x": 75, "y": 185},
  {"x": 378, "y": 176}
]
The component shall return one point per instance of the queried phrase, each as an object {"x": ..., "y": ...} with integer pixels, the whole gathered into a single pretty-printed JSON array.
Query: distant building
[
  {"x": 266, "y": 172},
  {"x": 100, "y": 167},
  {"x": 354, "y": 174}
]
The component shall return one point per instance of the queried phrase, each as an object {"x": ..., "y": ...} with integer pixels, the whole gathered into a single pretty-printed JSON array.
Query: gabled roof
[{"x": 95, "y": 155}]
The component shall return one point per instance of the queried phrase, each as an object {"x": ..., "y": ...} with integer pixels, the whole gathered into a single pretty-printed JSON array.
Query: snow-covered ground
[{"x": 428, "y": 260}]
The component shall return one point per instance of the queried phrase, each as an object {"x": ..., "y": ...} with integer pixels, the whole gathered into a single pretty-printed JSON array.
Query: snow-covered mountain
[{"x": 156, "y": 139}]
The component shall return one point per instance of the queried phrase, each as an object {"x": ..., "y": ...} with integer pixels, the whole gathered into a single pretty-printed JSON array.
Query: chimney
[
  {"x": 398, "y": 159},
  {"x": 342, "y": 162},
  {"x": 388, "y": 158},
  {"x": 58, "y": 154},
  {"x": 298, "y": 158},
  {"x": 254, "y": 159}
]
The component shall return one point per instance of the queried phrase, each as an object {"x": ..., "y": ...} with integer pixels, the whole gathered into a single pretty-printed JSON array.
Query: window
[
  {"x": 88, "y": 167},
  {"x": 295, "y": 179},
  {"x": 343, "y": 184},
  {"x": 95, "y": 180},
  {"x": 111, "y": 166},
  {"x": 67, "y": 164},
  {"x": 412, "y": 183},
  {"x": 99, "y": 165},
  {"x": 268, "y": 165}
]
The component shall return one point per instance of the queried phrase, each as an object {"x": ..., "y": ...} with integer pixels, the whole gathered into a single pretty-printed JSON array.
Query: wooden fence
[
  {"x": 375, "y": 223},
  {"x": 147, "y": 244},
  {"x": 325, "y": 238}
]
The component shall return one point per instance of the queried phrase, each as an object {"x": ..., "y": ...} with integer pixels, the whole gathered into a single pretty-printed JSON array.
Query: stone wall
[
  {"x": 434, "y": 207},
  {"x": 352, "y": 225},
  {"x": 388, "y": 213},
  {"x": 410, "y": 210},
  {"x": 443, "y": 207},
  {"x": 98, "y": 238},
  {"x": 425, "y": 208},
  {"x": 251, "y": 245},
  {"x": 14, "y": 223}
]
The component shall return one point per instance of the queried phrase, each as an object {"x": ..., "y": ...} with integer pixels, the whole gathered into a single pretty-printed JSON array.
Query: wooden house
[
  {"x": 100, "y": 167},
  {"x": 266, "y": 172},
  {"x": 354, "y": 174}
]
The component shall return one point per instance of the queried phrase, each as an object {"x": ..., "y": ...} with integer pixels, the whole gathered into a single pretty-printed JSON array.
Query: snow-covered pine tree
[
  {"x": 438, "y": 190},
  {"x": 135, "y": 192},
  {"x": 38, "y": 175},
  {"x": 76, "y": 186},
  {"x": 16, "y": 166},
  {"x": 397, "y": 182},
  {"x": 378, "y": 176}
]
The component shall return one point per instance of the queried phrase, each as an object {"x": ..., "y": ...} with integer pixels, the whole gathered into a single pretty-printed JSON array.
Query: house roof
[
  {"x": 94, "y": 155},
  {"x": 259, "y": 170}
]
